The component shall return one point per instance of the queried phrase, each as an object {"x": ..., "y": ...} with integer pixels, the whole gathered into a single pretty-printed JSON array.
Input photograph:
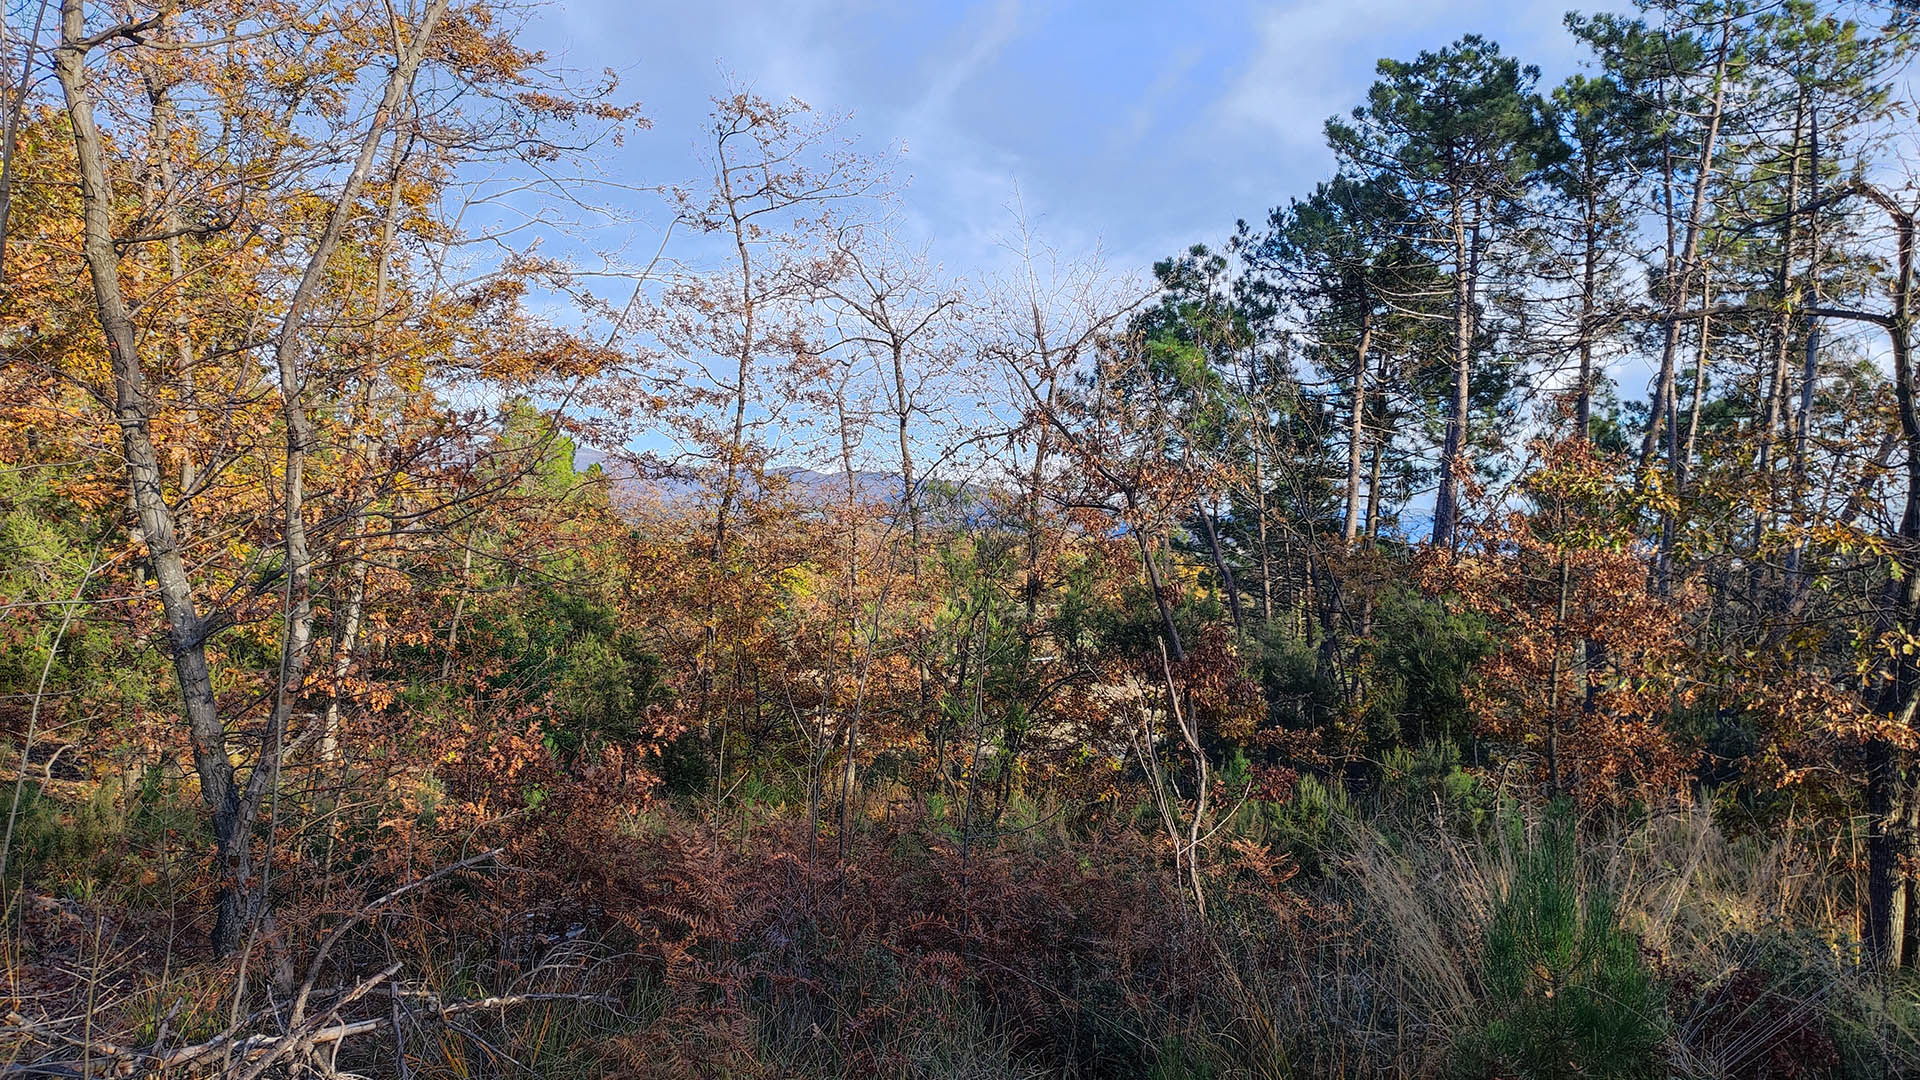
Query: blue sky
[{"x": 1135, "y": 128}]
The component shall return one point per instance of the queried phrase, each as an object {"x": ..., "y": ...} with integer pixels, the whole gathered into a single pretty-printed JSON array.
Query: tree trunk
[
  {"x": 909, "y": 495},
  {"x": 735, "y": 449},
  {"x": 1446, "y": 501},
  {"x": 1259, "y": 441},
  {"x": 1167, "y": 624},
  {"x": 16, "y": 104},
  {"x": 1589, "y": 278},
  {"x": 1357, "y": 426},
  {"x": 1037, "y": 476},
  {"x": 1810, "y": 368},
  {"x": 1681, "y": 275},
  {"x": 1891, "y": 788},
  {"x": 347, "y": 632},
  {"x": 1373, "y": 489},
  {"x": 1703, "y": 353},
  {"x": 186, "y": 630},
  {"x": 1774, "y": 409},
  {"x": 234, "y": 809},
  {"x": 1227, "y": 584}
]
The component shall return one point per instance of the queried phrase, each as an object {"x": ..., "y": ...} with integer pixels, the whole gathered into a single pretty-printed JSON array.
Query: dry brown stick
[
  {"x": 252, "y": 1047},
  {"x": 366, "y": 912},
  {"x": 399, "y": 1041},
  {"x": 295, "y": 1040}
]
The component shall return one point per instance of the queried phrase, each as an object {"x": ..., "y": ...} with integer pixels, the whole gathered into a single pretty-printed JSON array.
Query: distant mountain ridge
[{"x": 809, "y": 485}]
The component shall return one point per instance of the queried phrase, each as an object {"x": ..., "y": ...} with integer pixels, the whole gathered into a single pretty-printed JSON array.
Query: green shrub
[
  {"x": 1567, "y": 994},
  {"x": 1304, "y": 826},
  {"x": 1415, "y": 783},
  {"x": 1298, "y": 694},
  {"x": 1422, "y": 650}
]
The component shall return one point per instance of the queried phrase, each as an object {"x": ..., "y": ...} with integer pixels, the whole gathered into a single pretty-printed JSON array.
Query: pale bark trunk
[
  {"x": 742, "y": 391},
  {"x": 296, "y": 649},
  {"x": 347, "y": 634},
  {"x": 909, "y": 493},
  {"x": 16, "y": 104},
  {"x": 1357, "y": 427},
  {"x": 186, "y": 630},
  {"x": 1681, "y": 275},
  {"x": 849, "y": 767},
  {"x": 1037, "y": 476},
  {"x": 233, "y": 810},
  {"x": 1446, "y": 510}
]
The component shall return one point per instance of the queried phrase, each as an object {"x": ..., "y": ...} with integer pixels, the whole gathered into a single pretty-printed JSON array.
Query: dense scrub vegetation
[{"x": 429, "y": 650}]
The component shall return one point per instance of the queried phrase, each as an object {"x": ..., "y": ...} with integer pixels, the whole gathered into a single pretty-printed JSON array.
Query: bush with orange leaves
[{"x": 1590, "y": 656}]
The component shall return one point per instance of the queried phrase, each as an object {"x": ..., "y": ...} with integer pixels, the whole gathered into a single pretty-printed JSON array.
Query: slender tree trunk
[
  {"x": 163, "y": 202},
  {"x": 233, "y": 809},
  {"x": 1554, "y": 779},
  {"x": 1373, "y": 489},
  {"x": 301, "y": 439},
  {"x": 1147, "y": 562},
  {"x": 735, "y": 449},
  {"x": 1446, "y": 510},
  {"x": 1589, "y": 285},
  {"x": 1220, "y": 567},
  {"x": 16, "y": 104},
  {"x": 1037, "y": 475},
  {"x": 1774, "y": 409},
  {"x": 1681, "y": 275},
  {"x": 1357, "y": 426},
  {"x": 1891, "y": 788},
  {"x": 849, "y": 766},
  {"x": 347, "y": 633},
  {"x": 909, "y": 492},
  {"x": 186, "y": 630},
  {"x": 1259, "y": 441},
  {"x": 1702, "y": 356},
  {"x": 1810, "y": 368}
]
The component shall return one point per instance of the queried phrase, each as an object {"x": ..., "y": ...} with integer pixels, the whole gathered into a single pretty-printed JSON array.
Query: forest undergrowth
[{"x": 1429, "y": 927}]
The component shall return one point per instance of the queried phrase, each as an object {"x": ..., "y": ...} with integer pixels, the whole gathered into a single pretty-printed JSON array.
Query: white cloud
[
  {"x": 1155, "y": 98},
  {"x": 1313, "y": 60},
  {"x": 948, "y": 78}
]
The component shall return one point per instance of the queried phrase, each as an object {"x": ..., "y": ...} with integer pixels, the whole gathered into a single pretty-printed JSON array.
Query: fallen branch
[
  {"x": 366, "y": 912},
  {"x": 262, "y": 1051}
]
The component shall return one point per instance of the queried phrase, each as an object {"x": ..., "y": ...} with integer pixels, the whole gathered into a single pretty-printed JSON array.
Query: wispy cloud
[
  {"x": 1158, "y": 95},
  {"x": 985, "y": 43},
  {"x": 1313, "y": 60},
  {"x": 1124, "y": 122}
]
